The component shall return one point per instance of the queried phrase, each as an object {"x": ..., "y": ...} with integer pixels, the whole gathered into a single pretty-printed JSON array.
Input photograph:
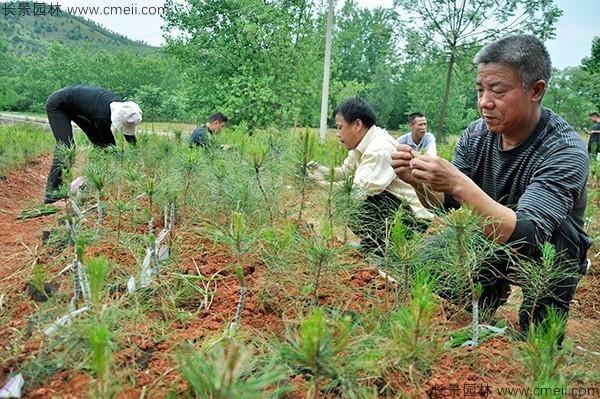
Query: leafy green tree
[
  {"x": 149, "y": 98},
  {"x": 364, "y": 57},
  {"x": 424, "y": 84},
  {"x": 31, "y": 87},
  {"x": 570, "y": 94},
  {"x": 64, "y": 66},
  {"x": 8, "y": 76},
  {"x": 455, "y": 28},
  {"x": 254, "y": 60},
  {"x": 591, "y": 65}
]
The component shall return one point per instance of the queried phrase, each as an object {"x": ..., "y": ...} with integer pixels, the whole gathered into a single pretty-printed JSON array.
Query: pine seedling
[
  {"x": 237, "y": 237},
  {"x": 541, "y": 277},
  {"x": 457, "y": 256},
  {"x": 121, "y": 208},
  {"x": 99, "y": 340},
  {"x": 149, "y": 188},
  {"x": 402, "y": 251},
  {"x": 239, "y": 274},
  {"x": 97, "y": 176},
  {"x": 189, "y": 161},
  {"x": 330, "y": 192},
  {"x": 259, "y": 156},
  {"x": 344, "y": 203},
  {"x": 304, "y": 152},
  {"x": 97, "y": 271},
  {"x": 38, "y": 277},
  {"x": 414, "y": 343},
  {"x": 319, "y": 347},
  {"x": 38, "y": 281},
  {"x": 319, "y": 257},
  {"x": 226, "y": 369},
  {"x": 121, "y": 145},
  {"x": 542, "y": 358},
  {"x": 165, "y": 148},
  {"x": 66, "y": 154}
]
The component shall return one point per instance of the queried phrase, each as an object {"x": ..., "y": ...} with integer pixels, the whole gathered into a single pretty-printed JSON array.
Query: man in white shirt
[
  {"x": 418, "y": 137},
  {"x": 375, "y": 183}
]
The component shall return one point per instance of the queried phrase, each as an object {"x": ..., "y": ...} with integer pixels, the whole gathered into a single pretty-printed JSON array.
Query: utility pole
[{"x": 326, "y": 73}]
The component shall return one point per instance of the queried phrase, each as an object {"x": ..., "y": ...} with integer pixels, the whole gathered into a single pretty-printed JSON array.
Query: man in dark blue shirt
[{"x": 203, "y": 135}]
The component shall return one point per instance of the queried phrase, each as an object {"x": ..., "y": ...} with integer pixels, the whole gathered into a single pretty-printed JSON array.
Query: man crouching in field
[
  {"x": 380, "y": 191},
  {"x": 521, "y": 167}
]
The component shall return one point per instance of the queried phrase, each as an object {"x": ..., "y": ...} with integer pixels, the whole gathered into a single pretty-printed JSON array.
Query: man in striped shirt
[{"x": 520, "y": 166}]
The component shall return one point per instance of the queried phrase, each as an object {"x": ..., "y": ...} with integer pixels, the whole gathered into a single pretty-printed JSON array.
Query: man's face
[
  {"x": 349, "y": 133},
  {"x": 217, "y": 126},
  {"x": 418, "y": 128},
  {"x": 503, "y": 103}
]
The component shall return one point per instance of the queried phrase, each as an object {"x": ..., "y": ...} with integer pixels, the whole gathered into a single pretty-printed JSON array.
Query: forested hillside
[{"x": 31, "y": 28}]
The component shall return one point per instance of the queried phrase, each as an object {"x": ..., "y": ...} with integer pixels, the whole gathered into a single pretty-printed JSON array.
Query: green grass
[{"x": 20, "y": 144}]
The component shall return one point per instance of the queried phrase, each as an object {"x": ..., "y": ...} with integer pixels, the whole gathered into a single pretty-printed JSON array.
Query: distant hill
[{"x": 34, "y": 33}]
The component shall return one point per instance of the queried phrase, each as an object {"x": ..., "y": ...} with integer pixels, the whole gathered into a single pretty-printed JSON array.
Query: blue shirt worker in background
[
  {"x": 97, "y": 112},
  {"x": 521, "y": 167},
  {"x": 203, "y": 135},
  {"x": 418, "y": 137}
]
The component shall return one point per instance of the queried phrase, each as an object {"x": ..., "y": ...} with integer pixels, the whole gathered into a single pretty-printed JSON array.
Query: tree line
[{"x": 261, "y": 63}]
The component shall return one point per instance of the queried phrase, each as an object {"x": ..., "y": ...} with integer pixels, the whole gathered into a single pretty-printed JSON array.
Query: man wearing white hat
[{"x": 97, "y": 112}]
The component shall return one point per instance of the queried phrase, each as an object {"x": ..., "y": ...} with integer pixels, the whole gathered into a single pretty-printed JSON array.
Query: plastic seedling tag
[{"x": 12, "y": 388}]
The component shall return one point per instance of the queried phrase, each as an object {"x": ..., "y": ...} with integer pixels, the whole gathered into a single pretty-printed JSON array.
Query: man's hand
[
  {"x": 438, "y": 174},
  {"x": 401, "y": 163}
]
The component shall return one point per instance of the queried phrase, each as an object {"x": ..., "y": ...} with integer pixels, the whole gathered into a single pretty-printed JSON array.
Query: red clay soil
[
  {"x": 20, "y": 239},
  {"x": 456, "y": 374}
]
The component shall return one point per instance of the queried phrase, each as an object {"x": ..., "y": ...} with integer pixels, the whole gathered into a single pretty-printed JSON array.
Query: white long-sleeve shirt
[{"x": 373, "y": 174}]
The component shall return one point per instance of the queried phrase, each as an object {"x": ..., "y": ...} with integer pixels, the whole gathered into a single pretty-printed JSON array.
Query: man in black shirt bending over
[{"x": 93, "y": 109}]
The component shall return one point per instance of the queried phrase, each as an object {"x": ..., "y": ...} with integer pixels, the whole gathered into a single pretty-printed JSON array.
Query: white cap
[{"x": 125, "y": 116}]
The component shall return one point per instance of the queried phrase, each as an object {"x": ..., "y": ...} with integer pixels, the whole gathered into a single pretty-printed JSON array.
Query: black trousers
[
  {"x": 496, "y": 281},
  {"x": 496, "y": 277},
  {"x": 375, "y": 215},
  {"x": 60, "y": 122},
  {"x": 594, "y": 144}
]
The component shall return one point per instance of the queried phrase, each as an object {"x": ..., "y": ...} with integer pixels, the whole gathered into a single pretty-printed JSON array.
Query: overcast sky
[{"x": 575, "y": 30}]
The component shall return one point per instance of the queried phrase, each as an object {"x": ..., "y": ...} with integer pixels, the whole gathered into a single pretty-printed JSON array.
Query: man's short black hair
[
  {"x": 217, "y": 116},
  {"x": 356, "y": 108},
  {"x": 415, "y": 115},
  {"x": 594, "y": 114}
]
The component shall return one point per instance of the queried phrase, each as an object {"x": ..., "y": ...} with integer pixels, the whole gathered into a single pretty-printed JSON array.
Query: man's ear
[
  {"x": 538, "y": 89},
  {"x": 358, "y": 123}
]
